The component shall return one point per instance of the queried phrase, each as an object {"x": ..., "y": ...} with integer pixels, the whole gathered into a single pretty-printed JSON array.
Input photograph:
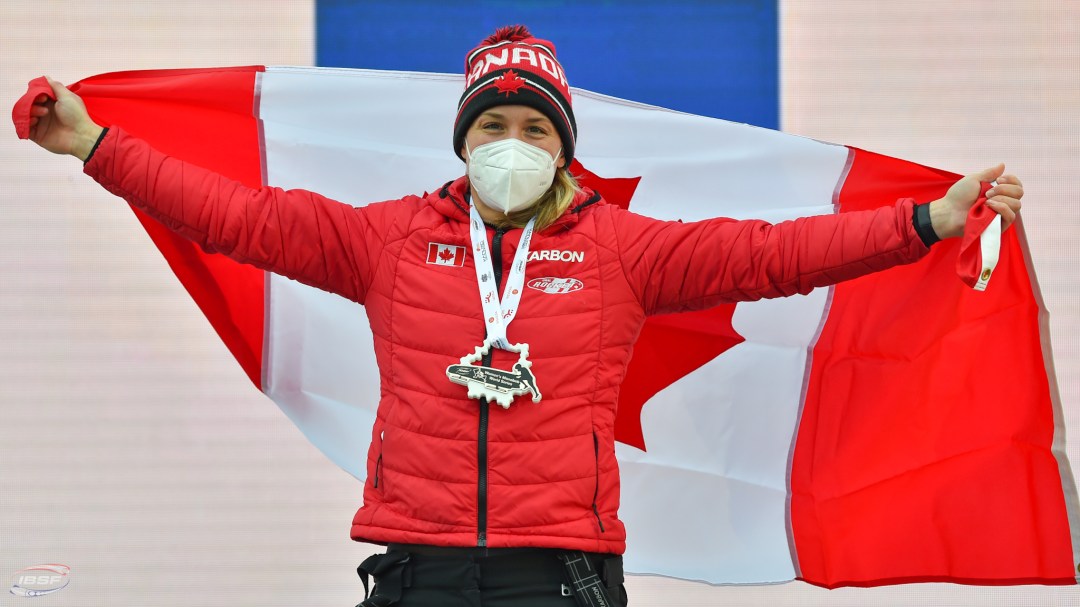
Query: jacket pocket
[
  {"x": 378, "y": 469},
  {"x": 378, "y": 465},
  {"x": 596, "y": 489}
]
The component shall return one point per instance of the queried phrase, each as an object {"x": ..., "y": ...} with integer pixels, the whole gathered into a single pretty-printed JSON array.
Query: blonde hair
[{"x": 551, "y": 205}]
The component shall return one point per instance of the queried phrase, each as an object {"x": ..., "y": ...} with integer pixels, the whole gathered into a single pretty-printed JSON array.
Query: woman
[{"x": 515, "y": 503}]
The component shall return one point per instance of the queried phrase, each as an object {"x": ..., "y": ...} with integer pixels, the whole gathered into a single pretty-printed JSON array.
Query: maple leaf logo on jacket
[
  {"x": 445, "y": 254},
  {"x": 509, "y": 83}
]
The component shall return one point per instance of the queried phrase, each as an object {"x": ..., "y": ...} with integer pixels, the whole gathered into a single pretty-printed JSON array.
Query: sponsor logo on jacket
[
  {"x": 550, "y": 284},
  {"x": 557, "y": 255}
]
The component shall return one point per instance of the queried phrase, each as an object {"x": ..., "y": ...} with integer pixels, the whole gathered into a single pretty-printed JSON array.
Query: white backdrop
[{"x": 134, "y": 450}]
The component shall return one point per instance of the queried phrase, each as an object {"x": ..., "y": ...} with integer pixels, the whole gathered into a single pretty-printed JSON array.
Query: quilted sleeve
[
  {"x": 299, "y": 234},
  {"x": 674, "y": 266}
]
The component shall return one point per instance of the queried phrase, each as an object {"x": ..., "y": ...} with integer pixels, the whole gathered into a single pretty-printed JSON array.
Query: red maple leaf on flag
[
  {"x": 509, "y": 83},
  {"x": 445, "y": 255},
  {"x": 670, "y": 346}
]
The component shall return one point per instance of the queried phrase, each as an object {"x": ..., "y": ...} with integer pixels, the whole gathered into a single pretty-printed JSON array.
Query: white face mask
[{"x": 510, "y": 174}]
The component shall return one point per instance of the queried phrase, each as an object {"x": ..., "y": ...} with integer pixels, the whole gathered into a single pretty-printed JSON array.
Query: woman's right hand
[{"x": 63, "y": 126}]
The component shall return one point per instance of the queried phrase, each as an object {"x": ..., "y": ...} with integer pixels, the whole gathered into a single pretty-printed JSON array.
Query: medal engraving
[{"x": 494, "y": 384}]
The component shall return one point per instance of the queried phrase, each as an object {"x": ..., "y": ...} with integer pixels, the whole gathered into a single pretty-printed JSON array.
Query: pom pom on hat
[
  {"x": 511, "y": 67},
  {"x": 513, "y": 33}
]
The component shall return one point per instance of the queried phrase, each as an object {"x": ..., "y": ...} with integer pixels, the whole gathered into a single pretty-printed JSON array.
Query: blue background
[{"x": 710, "y": 58}]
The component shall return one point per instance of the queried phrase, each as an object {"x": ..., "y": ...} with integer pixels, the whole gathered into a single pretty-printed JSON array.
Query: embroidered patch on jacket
[
  {"x": 549, "y": 284},
  {"x": 445, "y": 254}
]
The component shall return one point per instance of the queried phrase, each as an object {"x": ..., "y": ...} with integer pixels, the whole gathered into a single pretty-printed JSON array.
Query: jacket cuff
[
  {"x": 104, "y": 132},
  {"x": 920, "y": 219}
]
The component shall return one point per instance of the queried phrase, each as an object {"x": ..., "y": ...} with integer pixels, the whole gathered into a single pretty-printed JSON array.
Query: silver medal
[{"x": 494, "y": 384}]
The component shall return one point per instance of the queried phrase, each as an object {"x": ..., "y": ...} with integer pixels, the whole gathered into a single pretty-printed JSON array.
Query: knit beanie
[{"x": 510, "y": 67}]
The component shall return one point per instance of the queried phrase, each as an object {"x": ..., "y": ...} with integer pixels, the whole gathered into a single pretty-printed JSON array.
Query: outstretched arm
[
  {"x": 296, "y": 233},
  {"x": 676, "y": 266}
]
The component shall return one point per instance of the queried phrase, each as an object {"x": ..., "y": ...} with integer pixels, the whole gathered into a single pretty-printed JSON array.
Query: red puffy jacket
[{"x": 442, "y": 468}]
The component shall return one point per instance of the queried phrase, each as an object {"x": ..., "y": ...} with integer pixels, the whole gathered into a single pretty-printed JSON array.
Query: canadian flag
[
  {"x": 445, "y": 254},
  {"x": 853, "y": 436}
]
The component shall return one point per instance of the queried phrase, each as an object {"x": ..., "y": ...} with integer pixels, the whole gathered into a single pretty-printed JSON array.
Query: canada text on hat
[{"x": 502, "y": 54}]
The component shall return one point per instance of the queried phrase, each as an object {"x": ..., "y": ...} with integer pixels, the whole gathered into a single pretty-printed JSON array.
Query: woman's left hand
[{"x": 949, "y": 214}]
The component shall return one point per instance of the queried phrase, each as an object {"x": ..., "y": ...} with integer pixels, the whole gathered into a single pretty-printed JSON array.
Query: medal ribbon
[{"x": 498, "y": 312}]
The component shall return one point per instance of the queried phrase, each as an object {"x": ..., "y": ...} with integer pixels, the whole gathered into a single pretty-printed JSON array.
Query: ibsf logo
[
  {"x": 39, "y": 580},
  {"x": 549, "y": 284}
]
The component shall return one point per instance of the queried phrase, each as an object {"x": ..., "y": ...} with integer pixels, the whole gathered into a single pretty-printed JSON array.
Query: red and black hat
[{"x": 510, "y": 67}]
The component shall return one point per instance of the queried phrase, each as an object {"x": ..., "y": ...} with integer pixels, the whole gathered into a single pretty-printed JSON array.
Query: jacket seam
[
  {"x": 500, "y": 441},
  {"x": 592, "y": 508},
  {"x": 469, "y": 482},
  {"x": 533, "y": 526},
  {"x": 387, "y": 506},
  {"x": 386, "y": 244},
  {"x": 622, "y": 261},
  {"x": 758, "y": 292}
]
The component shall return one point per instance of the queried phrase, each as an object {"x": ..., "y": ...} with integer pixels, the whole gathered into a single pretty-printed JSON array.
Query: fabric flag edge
[{"x": 1057, "y": 448}]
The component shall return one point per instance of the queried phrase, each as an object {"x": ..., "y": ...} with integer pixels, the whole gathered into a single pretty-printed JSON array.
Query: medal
[
  {"x": 488, "y": 382},
  {"x": 493, "y": 384}
]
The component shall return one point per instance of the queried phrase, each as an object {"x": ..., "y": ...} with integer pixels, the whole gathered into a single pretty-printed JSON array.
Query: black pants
[{"x": 422, "y": 576}]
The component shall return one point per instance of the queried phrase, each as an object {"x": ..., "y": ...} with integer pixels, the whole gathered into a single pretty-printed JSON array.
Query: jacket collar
[{"x": 452, "y": 202}]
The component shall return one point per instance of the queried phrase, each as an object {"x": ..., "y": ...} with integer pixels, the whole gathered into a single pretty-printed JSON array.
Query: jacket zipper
[
  {"x": 378, "y": 468},
  {"x": 485, "y": 409},
  {"x": 596, "y": 491}
]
